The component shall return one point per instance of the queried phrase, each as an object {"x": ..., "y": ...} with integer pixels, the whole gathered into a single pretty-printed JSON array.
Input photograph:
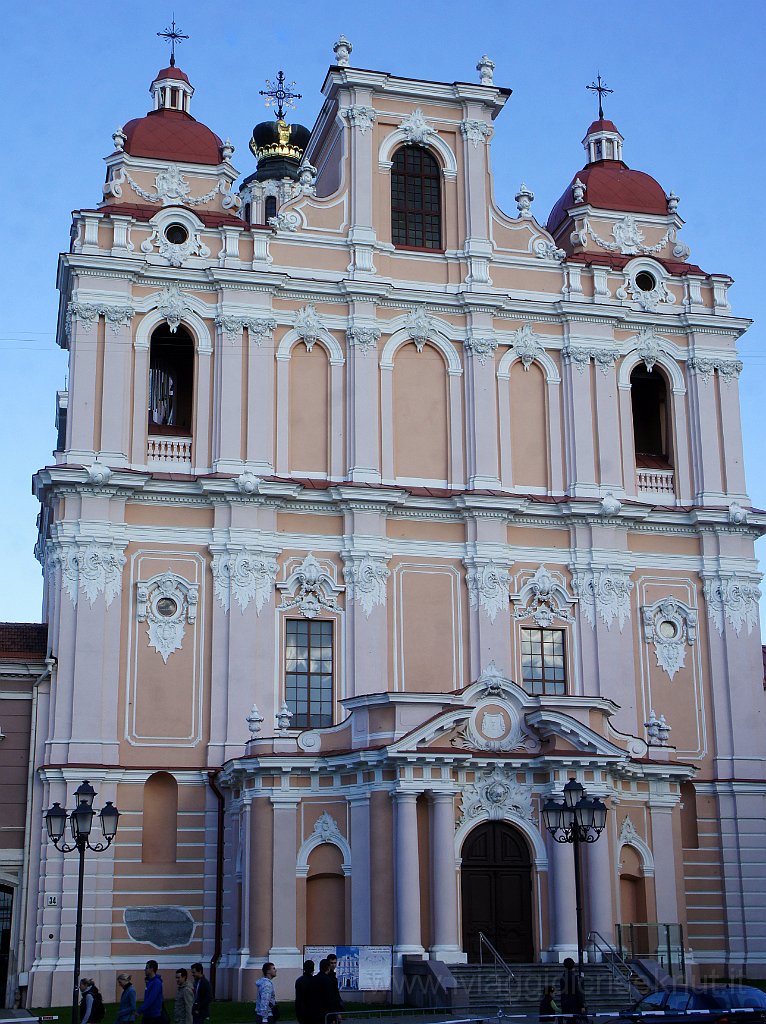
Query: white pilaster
[
  {"x": 406, "y": 875},
  {"x": 360, "y": 870},
  {"x": 446, "y": 940},
  {"x": 284, "y": 888}
]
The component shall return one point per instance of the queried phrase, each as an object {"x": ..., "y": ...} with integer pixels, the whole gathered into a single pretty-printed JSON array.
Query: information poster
[{"x": 360, "y": 968}]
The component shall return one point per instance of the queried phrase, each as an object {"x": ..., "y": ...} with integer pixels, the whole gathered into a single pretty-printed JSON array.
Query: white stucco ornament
[
  {"x": 166, "y": 602},
  {"x": 417, "y": 128},
  {"x": 233, "y": 324},
  {"x": 283, "y": 718},
  {"x": 610, "y": 506},
  {"x": 526, "y": 344},
  {"x": 366, "y": 579},
  {"x": 475, "y": 131},
  {"x": 670, "y": 626},
  {"x": 578, "y": 190},
  {"x": 173, "y": 305},
  {"x": 733, "y": 599},
  {"x": 87, "y": 314},
  {"x": 360, "y": 116},
  {"x": 365, "y": 338},
  {"x": 524, "y": 199},
  {"x": 657, "y": 730},
  {"x": 90, "y": 567},
  {"x": 486, "y": 69},
  {"x": 605, "y": 593},
  {"x": 543, "y": 597},
  {"x": 254, "y": 721},
  {"x": 244, "y": 574},
  {"x": 650, "y": 346},
  {"x": 308, "y": 325},
  {"x": 488, "y": 584},
  {"x": 98, "y": 474},
  {"x": 483, "y": 346},
  {"x": 342, "y": 51},
  {"x": 310, "y": 588},
  {"x": 495, "y": 795},
  {"x": 420, "y": 327},
  {"x": 737, "y": 514},
  {"x": 326, "y": 828}
]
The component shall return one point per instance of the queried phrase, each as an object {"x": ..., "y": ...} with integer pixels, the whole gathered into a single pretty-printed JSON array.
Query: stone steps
[{"x": 486, "y": 985}]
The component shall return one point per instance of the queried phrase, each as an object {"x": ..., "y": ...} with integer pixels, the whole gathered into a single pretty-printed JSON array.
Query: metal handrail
[
  {"x": 484, "y": 941},
  {"x": 612, "y": 960}
]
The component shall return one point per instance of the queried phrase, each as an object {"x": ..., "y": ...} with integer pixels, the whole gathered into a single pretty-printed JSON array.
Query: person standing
[
  {"x": 305, "y": 1001},
  {"x": 548, "y": 1008},
  {"x": 203, "y": 995},
  {"x": 91, "y": 1003},
  {"x": 336, "y": 1001},
  {"x": 152, "y": 1006},
  {"x": 572, "y": 991},
  {"x": 266, "y": 1000},
  {"x": 184, "y": 998},
  {"x": 127, "y": 1011}
]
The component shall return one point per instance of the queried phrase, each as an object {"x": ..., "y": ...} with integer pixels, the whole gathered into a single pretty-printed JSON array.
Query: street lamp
[
  {"x": 81, "y": 825},
  {"x": 576, "y": 819}
]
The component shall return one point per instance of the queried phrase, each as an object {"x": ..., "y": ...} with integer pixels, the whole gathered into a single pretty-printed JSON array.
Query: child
[{"x": 548, "y": 1006}]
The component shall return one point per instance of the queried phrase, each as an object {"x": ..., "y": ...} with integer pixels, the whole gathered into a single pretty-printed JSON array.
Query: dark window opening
[
  {"x": 416, "y": 199},
  {"x": 270, "y": 208},
  {"x": 690, "y": 839},
  {"x": 247, "y": 213},
  {"x": 649, "y": 399},
  {"x": 308, "y": 672},
  {"x": 171, "y": 381},
  {"x": 645, "y": 281},
  {"x": 174, "y": 98},
  {"x": 176, "y": 234},
  {"x": 543, "y": 665}
]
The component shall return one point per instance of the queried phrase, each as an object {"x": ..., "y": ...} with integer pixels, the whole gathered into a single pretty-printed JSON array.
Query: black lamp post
[
  {"x": 575, "y": 819},
  {"x": 81, "y": 824}
]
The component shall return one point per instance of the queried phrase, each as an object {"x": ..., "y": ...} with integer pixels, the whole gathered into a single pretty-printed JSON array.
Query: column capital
[
  {"x": 288, "y": 800},
  {"x": 400, "y": 795},
  {"x": 439, "y": 795}
]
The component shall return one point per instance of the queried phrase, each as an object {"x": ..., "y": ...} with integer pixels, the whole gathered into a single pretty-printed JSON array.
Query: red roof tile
[
  {"x": 172, "y": 135},
  {"x": 208, "y": 218},
  {"x": 23, "y": 640},
  {"x": 171, "y": 72},
  {"x": 612, "y": 185}
]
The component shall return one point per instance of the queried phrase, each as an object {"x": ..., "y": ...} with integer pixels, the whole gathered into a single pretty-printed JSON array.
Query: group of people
[
  {"x": 192, "y": 1002},
  {"x": 569, "y": 1002},
  {"x": 317, "y": 996}
]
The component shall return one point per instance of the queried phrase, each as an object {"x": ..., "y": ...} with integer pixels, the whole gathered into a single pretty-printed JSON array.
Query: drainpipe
[
  {"x": 218, "y": 941},
  {"x": 50, "y": 664}
]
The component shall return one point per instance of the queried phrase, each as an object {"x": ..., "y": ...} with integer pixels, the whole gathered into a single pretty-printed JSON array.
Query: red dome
[
  {"x": 167, "y": 134},
  {"x": 171, "y": 72},
  {"x": 612, "y": 185},
  {"x": 603, "y": 126}
]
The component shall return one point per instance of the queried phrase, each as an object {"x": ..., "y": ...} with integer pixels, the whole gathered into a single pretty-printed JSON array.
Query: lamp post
[
  {"x": 81, "y": 824},
  {"x": 576, "y": 819}
]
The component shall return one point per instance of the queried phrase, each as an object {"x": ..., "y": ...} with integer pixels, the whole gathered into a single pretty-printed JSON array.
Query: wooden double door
[{"x": 496, "y": 890}]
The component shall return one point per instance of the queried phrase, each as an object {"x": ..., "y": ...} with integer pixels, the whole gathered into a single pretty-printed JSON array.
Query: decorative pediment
[
  {"x": 542, "y": 596},
  {"x": 310, "y": 587},
  {"x": 495, "y": 795},
  {"x": 556, "y": 724}
]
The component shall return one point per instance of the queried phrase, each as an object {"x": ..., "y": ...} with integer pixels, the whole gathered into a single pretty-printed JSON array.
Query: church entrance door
[{"x": 496, "y": 889}]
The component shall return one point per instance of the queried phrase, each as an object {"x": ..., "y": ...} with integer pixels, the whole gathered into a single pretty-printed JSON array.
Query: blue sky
[{"x": 688, "y": 98}]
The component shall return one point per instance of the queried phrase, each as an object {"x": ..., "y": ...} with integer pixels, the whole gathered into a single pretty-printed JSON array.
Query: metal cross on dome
[
  {"x": 602, "y": 89},
  {"x": 280, "y": 95},
  {"x": 173, "y": 36}
]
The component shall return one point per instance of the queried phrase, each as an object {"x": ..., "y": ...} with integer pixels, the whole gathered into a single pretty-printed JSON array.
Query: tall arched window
[
  {"x": 171, "y": 381},
  {"x": 416, "y": 218},
  {"x": 270, "y": 208},
  {"x": 651, "y": 426}
]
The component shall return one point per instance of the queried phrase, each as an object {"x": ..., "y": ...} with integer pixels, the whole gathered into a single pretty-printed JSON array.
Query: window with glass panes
[
  {"x": 543, "y": 667},
  {"x": 415, "y": 199},
  {"x": 308, "y": 672}
]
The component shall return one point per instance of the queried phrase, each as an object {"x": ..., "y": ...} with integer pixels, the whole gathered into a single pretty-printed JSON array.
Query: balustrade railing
[
  {"x": 169, "y": 450},
  {"x": 655, "y": 481}
]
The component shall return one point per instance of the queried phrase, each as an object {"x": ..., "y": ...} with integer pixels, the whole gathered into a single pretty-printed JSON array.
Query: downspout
[
  {"x": 218, "y": 941},
  {"x": 50, "y": 664}
]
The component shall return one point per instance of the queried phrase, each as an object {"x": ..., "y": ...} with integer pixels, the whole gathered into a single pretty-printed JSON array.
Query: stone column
[
  {"x": 706, "y": 456},
  {"x": 360, "y": 870},
  {"x": 83, "y": 362},
  {"x": 578, "y": 426},
  {"x": 406, "y": 875},
  {"x": 227, "y": 400},
  {"x": 562, "y": 901},
  {"x": 115, "y": 410},
  {"x": 446, "y": 940},
  {"x": 284, "y": 884},
  {"x": 245, "y": 825},
  {"x": 481, "y": 409},
  {"x": 599, "y": 881}
]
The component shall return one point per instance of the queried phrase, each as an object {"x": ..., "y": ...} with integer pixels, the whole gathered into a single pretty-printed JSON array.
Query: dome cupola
[{"x": 278, "y": 146}]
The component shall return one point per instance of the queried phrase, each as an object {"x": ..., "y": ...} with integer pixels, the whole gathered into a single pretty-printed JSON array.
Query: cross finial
[
  {"x": 601, "y": 88},
  {"x": 173, "y": 36},
  {"x": 280, "y": 95}
]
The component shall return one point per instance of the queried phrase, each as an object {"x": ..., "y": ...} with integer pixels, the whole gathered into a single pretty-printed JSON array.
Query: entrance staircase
[{"x": 483, "y": 986}]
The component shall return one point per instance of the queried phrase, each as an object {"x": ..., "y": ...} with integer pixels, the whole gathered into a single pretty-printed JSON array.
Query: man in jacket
[
  {"x": 151, "y": 1008},
  {"x": 305, "y": 1001},
  {"x": 184, "y": 998},
  {"x": 203, "y": 995}
]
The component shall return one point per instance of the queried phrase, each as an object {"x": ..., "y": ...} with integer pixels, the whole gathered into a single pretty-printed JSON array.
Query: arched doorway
[{"x": 496, "y": 890}]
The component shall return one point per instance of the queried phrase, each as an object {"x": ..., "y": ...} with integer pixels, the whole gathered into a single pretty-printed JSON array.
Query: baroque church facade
[{"x": 376, "y": 515}]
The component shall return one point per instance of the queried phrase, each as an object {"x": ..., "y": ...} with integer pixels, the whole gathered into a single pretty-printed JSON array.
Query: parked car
[{"x": 722, "y": 1003}]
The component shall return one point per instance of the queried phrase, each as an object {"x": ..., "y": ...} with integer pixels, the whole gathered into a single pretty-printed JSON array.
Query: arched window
[
  {"x": 325, "y": 897},
  {"x": 651, "y": 433},
  {"x": 159, "y": 831},
  {"x": 171, "y": 381},
  {"x": 416, "y": 199},
  {"x": 269, "y": 208}
]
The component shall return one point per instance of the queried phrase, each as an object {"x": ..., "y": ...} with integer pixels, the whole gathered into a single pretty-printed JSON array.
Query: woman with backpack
[{"x": 91, "y": 1002}]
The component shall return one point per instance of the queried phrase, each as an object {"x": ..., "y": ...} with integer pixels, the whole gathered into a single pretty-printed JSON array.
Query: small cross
[
  {"x": 601, "y": 88},
  {"x": 280, "y": 95},
  {"x": 173, "y": 36}
]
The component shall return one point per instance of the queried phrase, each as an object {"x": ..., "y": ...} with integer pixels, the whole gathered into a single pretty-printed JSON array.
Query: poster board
[{"x": 360, "y": 968}]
